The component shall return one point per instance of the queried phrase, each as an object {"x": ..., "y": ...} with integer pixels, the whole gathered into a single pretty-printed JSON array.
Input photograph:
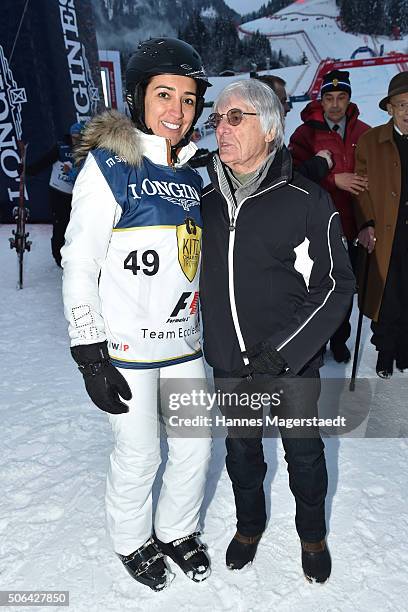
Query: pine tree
[
  {"x": 375, "y": 18},
  {"x": 354, "y": 14},
  {"x": 398, "y": 15}
]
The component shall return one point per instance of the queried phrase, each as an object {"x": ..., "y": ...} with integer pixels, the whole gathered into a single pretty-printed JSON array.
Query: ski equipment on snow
[{"x": 21, "y": 214}]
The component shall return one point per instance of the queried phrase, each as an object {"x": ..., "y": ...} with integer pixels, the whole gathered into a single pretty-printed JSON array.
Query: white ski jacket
[{"x": 132, "y": 248}]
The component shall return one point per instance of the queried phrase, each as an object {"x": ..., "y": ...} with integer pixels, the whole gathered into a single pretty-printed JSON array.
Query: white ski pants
[{"x": 136, "y": 458}]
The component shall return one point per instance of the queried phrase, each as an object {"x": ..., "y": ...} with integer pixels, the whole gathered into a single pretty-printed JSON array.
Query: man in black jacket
[{"x": 275, "y": 283}]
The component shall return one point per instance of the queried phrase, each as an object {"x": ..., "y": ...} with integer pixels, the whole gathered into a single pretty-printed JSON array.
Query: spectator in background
[
  {"x": 382, "y": 215},
  {"x": 332, "y": 123},
  {"x": 278, "y": 85},
  {"x": 319, "y": 165},
  {"x": 63, "y": 174}
]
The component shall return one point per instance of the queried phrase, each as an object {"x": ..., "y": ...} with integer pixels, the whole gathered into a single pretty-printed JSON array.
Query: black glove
[
  {"x": 265, "y": 359},
  {"x": 103, "y": 382}
]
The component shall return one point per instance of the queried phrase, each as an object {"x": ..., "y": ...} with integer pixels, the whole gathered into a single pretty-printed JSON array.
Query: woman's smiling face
[{"x": 170, "y": 105}]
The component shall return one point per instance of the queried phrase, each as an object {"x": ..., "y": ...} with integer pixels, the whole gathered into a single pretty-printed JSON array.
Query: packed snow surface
[{"x": 55, "y": 449}]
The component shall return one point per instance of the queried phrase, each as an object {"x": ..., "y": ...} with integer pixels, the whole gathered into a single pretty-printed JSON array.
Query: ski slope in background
[
  {"x": 317, "y": 21},
  {"x": 311, "y": 26},
  {"x": 55, "y": 448}
]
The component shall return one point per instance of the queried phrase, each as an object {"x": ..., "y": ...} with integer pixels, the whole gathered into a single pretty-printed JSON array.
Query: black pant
[
  {"x": 390, "y": 332},
  {"x": 60, "y": 204},
  {"x": 304, "y": 455},
  {"x": 342, "y": 334}
]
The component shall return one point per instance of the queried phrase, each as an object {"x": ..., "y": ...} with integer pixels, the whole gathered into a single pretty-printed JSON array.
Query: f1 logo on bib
[
  {"x": 182, "y": 304},
  {"x": 189, "y": 247}
]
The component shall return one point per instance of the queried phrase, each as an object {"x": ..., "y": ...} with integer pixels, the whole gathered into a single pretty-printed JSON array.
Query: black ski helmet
[{"x": 162, "y": 56}]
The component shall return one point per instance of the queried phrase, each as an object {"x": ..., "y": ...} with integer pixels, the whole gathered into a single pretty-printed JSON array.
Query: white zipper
[{"x": 233, "y": 306}]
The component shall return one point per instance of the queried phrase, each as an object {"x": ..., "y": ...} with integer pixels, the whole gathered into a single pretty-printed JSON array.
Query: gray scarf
[{"x": 242, "y": 191}]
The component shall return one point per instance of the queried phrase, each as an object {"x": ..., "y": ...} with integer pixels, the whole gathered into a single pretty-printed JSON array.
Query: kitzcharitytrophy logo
[
  {"x": 11, "y": 100},
  {"x": 189, "y": 247}
]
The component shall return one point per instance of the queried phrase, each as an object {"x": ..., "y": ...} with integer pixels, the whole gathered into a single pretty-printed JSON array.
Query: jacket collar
[
  {"x": 280, "y": 171},
  {"x": 157, "y": 149},
  {"x": 385, "y": 132},
  {"x": 115, "y": 132},
  {"x": 313, "y": 115}
]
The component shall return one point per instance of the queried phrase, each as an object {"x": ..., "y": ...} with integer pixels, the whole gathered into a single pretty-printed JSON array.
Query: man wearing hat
[
  {"x": 332, "y": 123},
  {"x": 382, "y": 216}
]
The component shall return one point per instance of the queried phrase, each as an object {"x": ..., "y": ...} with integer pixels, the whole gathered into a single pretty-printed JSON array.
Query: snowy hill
[{"x": 313, "y": 27}]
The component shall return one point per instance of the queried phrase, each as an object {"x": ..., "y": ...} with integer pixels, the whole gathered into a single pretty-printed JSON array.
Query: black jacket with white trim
[{"x": 274, "y": 268}]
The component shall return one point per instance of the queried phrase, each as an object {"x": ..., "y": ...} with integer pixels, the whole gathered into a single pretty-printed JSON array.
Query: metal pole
[{"x": 360, "y": 321}]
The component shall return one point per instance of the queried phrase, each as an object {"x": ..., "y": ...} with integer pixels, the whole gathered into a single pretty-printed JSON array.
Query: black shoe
[
  {"x": 189, "y": 554},
  {"x": 401, "y": 360},
  {"x": 385, "y": 364},
  {"x": 340, "y": 352},
  {"x": 241, "y": 550},
  {"x": 316, "y": 561},
  {"x": 146, "y": 565}
]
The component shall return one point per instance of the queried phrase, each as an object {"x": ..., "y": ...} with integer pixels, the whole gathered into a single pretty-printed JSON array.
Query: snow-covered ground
[{"x": 55, "y": 448}]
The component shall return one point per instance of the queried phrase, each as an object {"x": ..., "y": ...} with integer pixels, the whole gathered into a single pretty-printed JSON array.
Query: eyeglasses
[
  {"x": 234, "y": 117},
  {"x": 401, "y": 106}
]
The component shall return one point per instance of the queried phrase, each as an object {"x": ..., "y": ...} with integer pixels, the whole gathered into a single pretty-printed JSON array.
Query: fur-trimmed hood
[{"x": 115, "y": 132}]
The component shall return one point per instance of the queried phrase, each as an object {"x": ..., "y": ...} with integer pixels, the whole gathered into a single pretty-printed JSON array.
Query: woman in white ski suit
[{"x": 130, "y": 287}]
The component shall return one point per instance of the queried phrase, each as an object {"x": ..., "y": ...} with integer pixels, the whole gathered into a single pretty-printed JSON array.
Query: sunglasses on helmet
[{"x": 234, "y": 117}]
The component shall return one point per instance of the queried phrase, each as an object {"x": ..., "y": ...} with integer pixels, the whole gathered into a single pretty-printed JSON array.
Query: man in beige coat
[{"x": 382, "y": 217}]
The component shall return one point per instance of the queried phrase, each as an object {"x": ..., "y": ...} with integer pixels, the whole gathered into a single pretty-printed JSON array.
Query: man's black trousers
[
  {"x": 390, "y": 332},
  {"x": 60, "y": 204},
  {"x": 304, "y": 454}
]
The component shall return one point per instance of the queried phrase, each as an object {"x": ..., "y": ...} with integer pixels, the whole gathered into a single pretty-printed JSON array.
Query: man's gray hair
[{"x": 263, "y": 100}]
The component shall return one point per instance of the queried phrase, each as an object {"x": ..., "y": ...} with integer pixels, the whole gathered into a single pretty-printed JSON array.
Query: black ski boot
[
  {"x": 146, "y": 565},
  {"x": 316, "y": 561},
  {"x": 340, "y": 352},
  {"x": 241, "y": 550},
  {"x": 189, "y": 554},
  {"x": 385, "y": 364}
]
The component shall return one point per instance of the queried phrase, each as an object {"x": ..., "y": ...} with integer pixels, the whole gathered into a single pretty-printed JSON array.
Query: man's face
[
  {"x": 335, "y": 104},
  {"x": 398, "y": 109},
  {"x": 75, "y": 138},
  {"x": 242, "y": 147},
  {"x": 283, "y": 97},
  {"x": 170, "y": 104}
]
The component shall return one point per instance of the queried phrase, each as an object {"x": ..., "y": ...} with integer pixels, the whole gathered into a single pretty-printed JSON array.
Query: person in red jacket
[{"x": 332, "y": 123}]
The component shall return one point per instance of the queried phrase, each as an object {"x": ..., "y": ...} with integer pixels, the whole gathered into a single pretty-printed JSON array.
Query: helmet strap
[{"x": 137, "y": 111}]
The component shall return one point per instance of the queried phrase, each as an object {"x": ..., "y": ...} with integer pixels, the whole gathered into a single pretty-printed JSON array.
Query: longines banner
[{"x": 49, "y": 79}]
